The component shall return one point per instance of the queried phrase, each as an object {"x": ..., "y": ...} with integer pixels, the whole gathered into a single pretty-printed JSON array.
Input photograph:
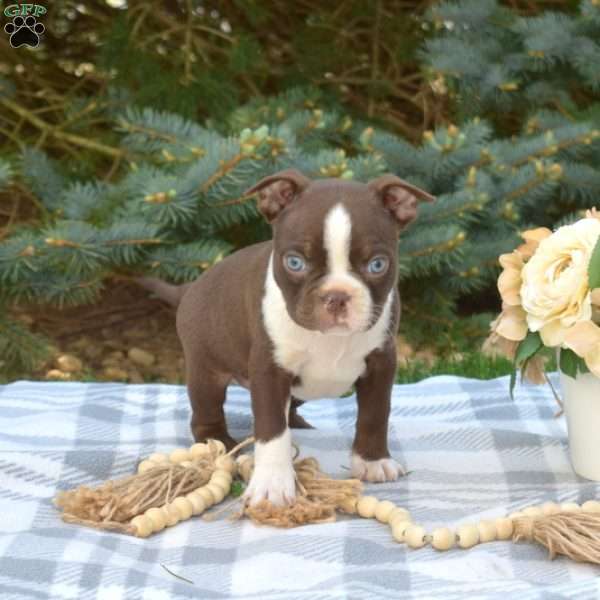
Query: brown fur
[{"x": 219, "y": 319}]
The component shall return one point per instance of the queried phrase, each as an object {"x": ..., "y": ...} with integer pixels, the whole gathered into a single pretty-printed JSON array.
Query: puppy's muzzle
[{"x": 336, "y": 303}]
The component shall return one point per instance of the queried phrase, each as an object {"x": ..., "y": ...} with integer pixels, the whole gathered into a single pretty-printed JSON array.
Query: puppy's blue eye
[
  {"x": 295, "y": 263},
  {"x": 378, "y": 265}
]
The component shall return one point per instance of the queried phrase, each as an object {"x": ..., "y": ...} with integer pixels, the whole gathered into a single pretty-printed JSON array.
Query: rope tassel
[
  {"x": 317, "y": 502},
  {"x": 158, "y": 483},
  {"x": 575, "y": 535}
]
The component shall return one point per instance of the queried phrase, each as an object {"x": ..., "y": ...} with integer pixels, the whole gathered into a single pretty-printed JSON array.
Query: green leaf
[
  {"x": 526, "y": 350},
  {"x": 594, "y": 268},
  {"x": 237, "y": 489},
  {"x": 571, "y": 364},
  {"x": 513, "y": 382}
]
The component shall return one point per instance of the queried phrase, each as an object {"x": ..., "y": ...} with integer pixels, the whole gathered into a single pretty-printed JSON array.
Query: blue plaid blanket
[{"x": 471, "y": 451}]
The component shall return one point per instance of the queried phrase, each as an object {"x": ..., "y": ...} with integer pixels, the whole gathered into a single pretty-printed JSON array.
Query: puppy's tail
[{"x": 171, "y": 294}]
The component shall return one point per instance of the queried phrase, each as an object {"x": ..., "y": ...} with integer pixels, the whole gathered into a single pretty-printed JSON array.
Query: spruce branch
[{"x": 52, "y": 131}]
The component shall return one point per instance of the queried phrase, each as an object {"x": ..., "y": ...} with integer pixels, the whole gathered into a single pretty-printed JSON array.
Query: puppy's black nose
[{"x": 335, "y": 302}]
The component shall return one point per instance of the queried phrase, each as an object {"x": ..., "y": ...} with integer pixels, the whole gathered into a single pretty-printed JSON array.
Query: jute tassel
[
  {"x": 113, "y": 503},
  {"x": 575, "y": 535},
  {"x": 317, "y": 500}
]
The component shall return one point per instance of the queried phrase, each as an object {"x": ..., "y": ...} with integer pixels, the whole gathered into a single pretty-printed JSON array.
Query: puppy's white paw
[
  {"x": 277, "y": 485},
  {"x": 274, "y": 478},
  {"x": 384, "y": 469}
]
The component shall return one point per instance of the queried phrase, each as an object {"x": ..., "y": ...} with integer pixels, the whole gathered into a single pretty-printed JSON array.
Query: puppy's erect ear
[
  {"x": 277, "y": 191},
  {"x": 399, "y": 197}
]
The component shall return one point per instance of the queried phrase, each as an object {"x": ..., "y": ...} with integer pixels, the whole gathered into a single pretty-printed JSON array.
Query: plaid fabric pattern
[{"x": 471, "y": 451}]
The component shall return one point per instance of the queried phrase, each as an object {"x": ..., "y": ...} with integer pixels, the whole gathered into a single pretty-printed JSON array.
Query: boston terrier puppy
[{"x": 307, "y": 315}]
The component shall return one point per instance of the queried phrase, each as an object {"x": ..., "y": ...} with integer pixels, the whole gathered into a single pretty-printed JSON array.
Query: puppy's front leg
[
  {"x": 370, "y": 455},
  {"x": 274, "y": 478}
]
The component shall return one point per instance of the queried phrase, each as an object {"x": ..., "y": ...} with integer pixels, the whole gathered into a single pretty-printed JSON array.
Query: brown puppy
[{"x": 306, "y": 315}]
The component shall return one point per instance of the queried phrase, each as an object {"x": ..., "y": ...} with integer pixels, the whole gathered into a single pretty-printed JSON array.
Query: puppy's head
[{"x": 335, "y": 245}]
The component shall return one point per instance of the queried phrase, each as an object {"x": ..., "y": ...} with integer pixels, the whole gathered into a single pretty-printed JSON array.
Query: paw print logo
[{"x": 24, "y": 32}]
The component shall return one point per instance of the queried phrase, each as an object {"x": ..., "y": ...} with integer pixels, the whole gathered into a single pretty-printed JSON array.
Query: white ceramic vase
[{"x": 582, "y": 408}]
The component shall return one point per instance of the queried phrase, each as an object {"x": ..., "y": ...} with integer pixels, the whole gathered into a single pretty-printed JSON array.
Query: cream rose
[
  {"x": 555, "y": 290},
  {"x": 584, "y": 340}
]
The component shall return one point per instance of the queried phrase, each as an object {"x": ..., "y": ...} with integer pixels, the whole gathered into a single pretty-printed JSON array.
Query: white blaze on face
[
  {"x": 337, "y": 235},
  {"x": 336, "y": 238}
]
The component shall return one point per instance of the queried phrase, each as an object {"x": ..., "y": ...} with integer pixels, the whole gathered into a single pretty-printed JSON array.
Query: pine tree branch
[
  {"x": 552, "y": 149},
  {"x": 437, "y": 248},
  {"x": 521, "y": 191},
  {"x": 223, "y": 170},
  {"x": 374, "y": 55},
  {"x": 52, "y": 131},
  {"x": 188, "y": 43},
  {"x": 234, "y": 202}
]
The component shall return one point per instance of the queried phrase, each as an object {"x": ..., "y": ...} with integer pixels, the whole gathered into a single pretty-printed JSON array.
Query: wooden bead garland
[
  {"x": 531, "y": 523},
  {"x": 194, "y": 503},
  {"x": 133, "y": 505},
  {"x": 170, "y": 488}
]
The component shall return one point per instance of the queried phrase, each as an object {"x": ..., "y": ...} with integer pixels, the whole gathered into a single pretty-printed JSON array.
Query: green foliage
[
  {"x": 19, "y": 348},
  {"x": 138, "y": 173},
  {"x": 594, "y": 268},
  {"x": 571, "y": 364},
  {"x": 526, "y": 350},
  {"x": 472, "y": 364}
]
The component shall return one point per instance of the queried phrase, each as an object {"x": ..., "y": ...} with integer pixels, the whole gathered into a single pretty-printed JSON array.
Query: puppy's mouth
[
  {"x": 344, "y": 322},
  {"x": 335, "y": 327}
]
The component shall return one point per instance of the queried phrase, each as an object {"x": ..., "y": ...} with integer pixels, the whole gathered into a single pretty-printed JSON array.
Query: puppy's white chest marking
[{"x": 326, "y": 364}]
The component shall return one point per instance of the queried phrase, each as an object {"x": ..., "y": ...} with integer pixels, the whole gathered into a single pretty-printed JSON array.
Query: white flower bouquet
[{"x": 550, "y": 288}]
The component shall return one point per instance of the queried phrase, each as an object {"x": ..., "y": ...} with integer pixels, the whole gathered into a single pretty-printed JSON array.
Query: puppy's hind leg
[
  {"x": 295, "y": 420},
  {"x": 207, "y": 396}
]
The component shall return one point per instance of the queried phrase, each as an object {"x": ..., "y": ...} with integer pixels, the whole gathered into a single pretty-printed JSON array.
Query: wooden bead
[
  {"x": 184, "y": 507},
  {"x": 158, "y": 457},
  {"x": 533, "y": 512},
  {"x": 504, "y": 528},
  {"x": 487, "y": 531},
  {"x": 443, "y": 538},
  {"x": 224, "y": 476},
  {"x": 158, "y": 518},
  {"x": 179, "y": 455},
  {"x": 366, "y": 506},
  {"x": 216, "y": 447},
  {"x": 206, "y": 495},
  {"x": 468, "y": 536},
  {"x": 145, "y": 465},
  {"x": 222, "y": 481},
  {"x": 198, "y": 504},
  {"x": 399, "y": 530},
  {"x": 591, "y": 506},
  {"x": 383, "y": 510},
  {"x": 570, "y": 507},
  {"x": 246, "y": 471},
  {"x": 217, "y": 491},
  {"x": 245, "y": 464},
  {"x": 550, "y": 508},
  {"x": 198, "y": 450},
  {"x": 143, "y": 526},
  {"x": 222, "y": 487},
  {"x": 348, "y": 505},
  {"x": 225, "y": 463},
  {"x": 398, "y": 514},
  {"x": 171, "y": 515},
  {"x": 415, "y": 536}
]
